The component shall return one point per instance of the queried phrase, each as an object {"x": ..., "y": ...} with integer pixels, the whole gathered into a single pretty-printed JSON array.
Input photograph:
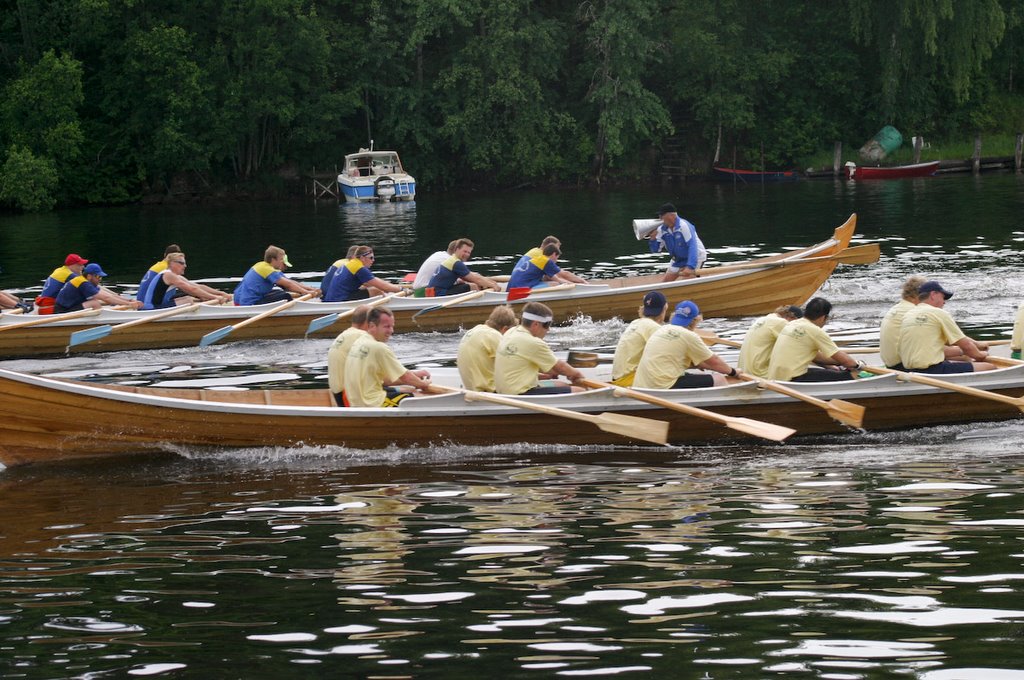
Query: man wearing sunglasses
[
  {"x": 355, "y": 281},
  {"x": 523, "y": 358}
]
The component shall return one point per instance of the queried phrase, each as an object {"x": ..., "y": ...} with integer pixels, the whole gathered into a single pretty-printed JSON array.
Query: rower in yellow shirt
[
  {"x": 804, "y": 342},
  {"x": 373, "y": 375},
  {"x": 675, "y": 347},
  {"x": 633, "y": 340},
  {"x": 758, "y": 343},
  {"x": 928, "y": 332},
  {"x": 478, "y": 347}
]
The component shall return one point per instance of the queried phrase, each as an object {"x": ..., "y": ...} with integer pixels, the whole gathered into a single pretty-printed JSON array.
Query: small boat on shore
[
  {"x": 755, "y": 286},
  {"x": 44, "y": 419},
  {"x": 854, "y": 171},
  {"x": 752, "y": 176},
  {"x": 375, "y": 177}
]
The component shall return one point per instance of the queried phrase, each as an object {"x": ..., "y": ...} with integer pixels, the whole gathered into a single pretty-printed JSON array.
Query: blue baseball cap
[
  {"x": 654, "y": 303},
  {"x": 934, "y": 287},
  {"x": 94, "y": 268},
  {"x": 686, "y": 312}
]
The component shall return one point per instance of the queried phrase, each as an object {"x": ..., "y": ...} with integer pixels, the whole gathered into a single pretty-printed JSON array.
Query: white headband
[{"x": 534, "y": 317}]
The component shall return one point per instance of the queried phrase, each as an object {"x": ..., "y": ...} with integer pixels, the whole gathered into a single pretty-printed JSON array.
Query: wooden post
[
  {"x": 976, "y": 160},
  {"x": 1017, "y": 151},
  {"x": 837, "y": 158},
  {"x": 918, "y": 143}
]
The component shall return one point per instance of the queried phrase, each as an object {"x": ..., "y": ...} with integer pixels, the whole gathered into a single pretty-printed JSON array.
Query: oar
[
  {"x": 946, "y": 385},
  {"x": 451, "y": 303},
  {"x": 323, "y": 322},
  {"x": 584, "y": 359},
  {"x": 749, "y": 426},
  {"x": 632, "y": 427},
  {"x": 52, "y": 318},
  {"x": 214, "y": 336},
  {"x": 91, "y": 334},
  {"x": 710, "y": 338},
  {"x": 523, "y": 292},
  {"x": 868, "y": 253},
  {"x": 845, "y": 412}
]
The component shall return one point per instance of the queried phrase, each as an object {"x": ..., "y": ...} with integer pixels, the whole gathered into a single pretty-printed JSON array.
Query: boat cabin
[{"x": 372, "y": 163}]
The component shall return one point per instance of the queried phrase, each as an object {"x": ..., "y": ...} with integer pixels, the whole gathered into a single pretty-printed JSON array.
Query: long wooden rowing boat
[
  {"x": 754, "y": 287},
  {"x": 47, "y": 419}
]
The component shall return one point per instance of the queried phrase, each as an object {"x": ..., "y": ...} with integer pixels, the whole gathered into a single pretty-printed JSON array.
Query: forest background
[{"x": 108, "y": 101}]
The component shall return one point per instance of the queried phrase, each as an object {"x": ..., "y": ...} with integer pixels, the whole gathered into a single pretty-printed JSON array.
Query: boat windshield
[{"x": 373, "y": 164}]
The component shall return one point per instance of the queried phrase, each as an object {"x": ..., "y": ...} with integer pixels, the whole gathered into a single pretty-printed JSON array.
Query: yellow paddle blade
[{"x": 646, "y": 429}]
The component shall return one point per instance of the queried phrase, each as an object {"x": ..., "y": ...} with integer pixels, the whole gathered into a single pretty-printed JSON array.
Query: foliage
[
  {"x": 28, "y": 181},
  {"x": 111, "y": 99}
]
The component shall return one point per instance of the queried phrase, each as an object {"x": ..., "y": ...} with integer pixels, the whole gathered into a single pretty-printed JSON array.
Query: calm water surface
[{"x": 864, "y": 556}]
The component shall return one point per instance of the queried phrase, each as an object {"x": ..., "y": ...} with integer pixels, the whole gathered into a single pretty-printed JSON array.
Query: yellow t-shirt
[
  {"x": 1018, "y": 329},
  {"x": 889, "y": 332},
  {"x": 924, "y": 334},
  {"x": 631, "y": 347},
  {"x": 797, "y": 345},
  {"x": 756, "y": 351},
  {"x": 519, "y": 358},
  {"x": 338, "y": 354},
  {"x": 369, "y": 365},
  {"x": 669, "y": 352},
  {"x": 475, "y": 357}
]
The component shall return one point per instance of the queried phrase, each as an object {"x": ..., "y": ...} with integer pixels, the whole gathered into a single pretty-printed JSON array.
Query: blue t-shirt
[
  {"x": 682, "y": 243},
  {"x": 256, "y": 283},
  {"x": 447, "y": 275},
  {"x": 55, "y": 281},
  {"x": 75, "y": 292},
  {"x": 347, "y": 281},
  {"x": 530, "y": 273},
  {"x": 329, "y": 275}
]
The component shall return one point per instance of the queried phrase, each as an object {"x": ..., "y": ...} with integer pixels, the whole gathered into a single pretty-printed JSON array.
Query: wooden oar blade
[
  {"x": 214, "y": 336},
  {"x": 321, "y": 323},
  {"x": 517, "y": 294},
  {"x": 89, "y": 335},
  {"x": 869, "y": 253},
  {"x": 579, "y": 359},
  {"x": 846, "y": 412},
  {"x": 633, "y": 427},
  {"x": 757, "y": 428}
]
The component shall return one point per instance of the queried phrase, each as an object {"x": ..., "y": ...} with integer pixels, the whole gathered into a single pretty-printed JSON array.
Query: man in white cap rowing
[{"x": 523, "y": 358}]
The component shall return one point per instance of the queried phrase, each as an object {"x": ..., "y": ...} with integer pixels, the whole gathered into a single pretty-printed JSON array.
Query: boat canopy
[{"x": 372, "y": 163}]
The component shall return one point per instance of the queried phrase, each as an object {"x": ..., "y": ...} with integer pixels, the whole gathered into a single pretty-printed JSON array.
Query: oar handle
[
  {"x": 472, "y": 395},
  {"x": 658, "y": 401},
  {"x": 783, "y": 389}
]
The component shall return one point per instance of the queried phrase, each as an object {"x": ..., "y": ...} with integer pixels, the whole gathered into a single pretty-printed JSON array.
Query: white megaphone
[{"x": 642, "y": 228}]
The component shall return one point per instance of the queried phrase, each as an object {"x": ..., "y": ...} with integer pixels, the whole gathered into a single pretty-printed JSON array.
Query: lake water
[{"x": 857, "y": 556}]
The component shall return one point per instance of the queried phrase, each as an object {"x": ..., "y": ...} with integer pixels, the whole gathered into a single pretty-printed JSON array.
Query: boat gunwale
[{"x": 732, "y": 395}]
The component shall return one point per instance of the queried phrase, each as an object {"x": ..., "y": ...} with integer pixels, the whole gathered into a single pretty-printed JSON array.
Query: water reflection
[{"x": 747, "y": 568}]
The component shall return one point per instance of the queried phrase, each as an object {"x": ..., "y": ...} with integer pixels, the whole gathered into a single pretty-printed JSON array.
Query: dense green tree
[
  {"x": 39, "y": 125},
  {"x": 111, "y": 99},
  {"x": 620, "y": 52},
  {"x": 926, "y": 49}
]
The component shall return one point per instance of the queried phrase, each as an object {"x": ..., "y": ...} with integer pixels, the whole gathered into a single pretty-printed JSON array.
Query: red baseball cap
[{"x": 75, "y": 259}]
